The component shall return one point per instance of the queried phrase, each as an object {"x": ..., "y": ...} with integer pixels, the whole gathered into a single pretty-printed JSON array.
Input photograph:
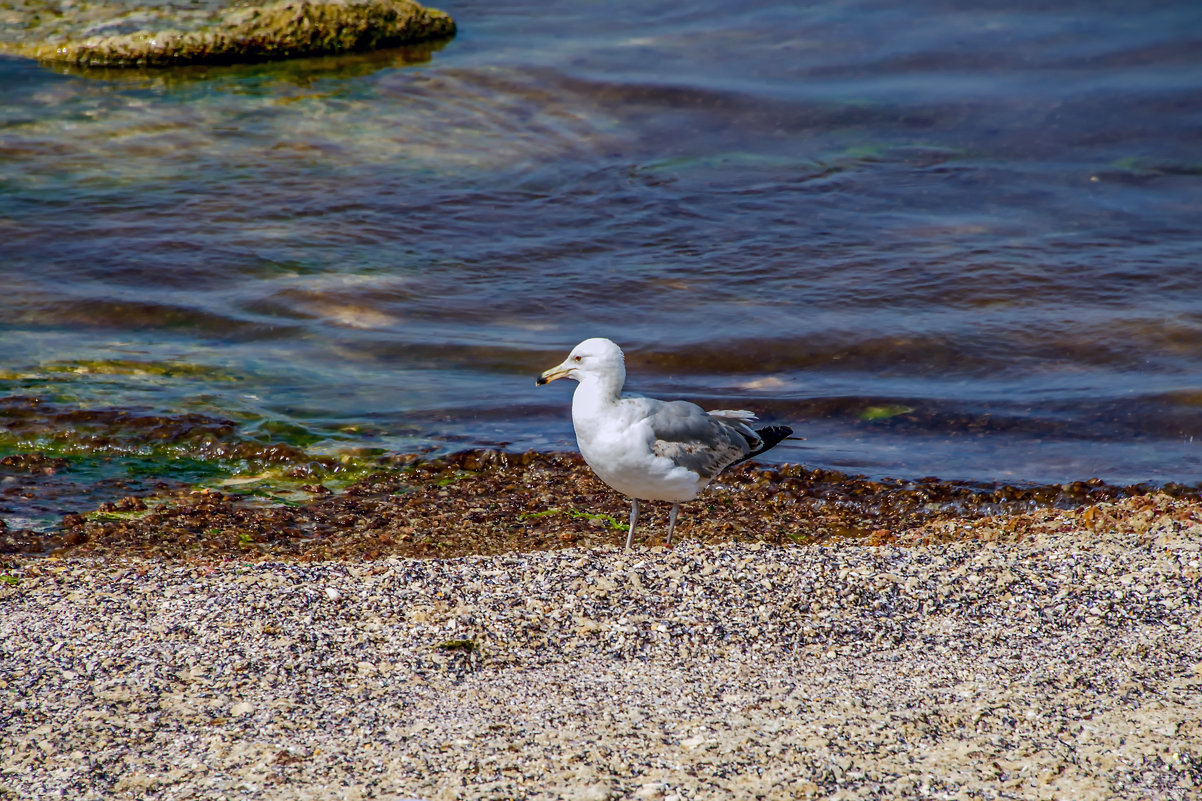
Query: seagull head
[{"x": 596, "y": 358}]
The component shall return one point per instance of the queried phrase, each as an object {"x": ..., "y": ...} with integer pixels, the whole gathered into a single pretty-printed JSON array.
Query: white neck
[{"x": 596, "y": 392}]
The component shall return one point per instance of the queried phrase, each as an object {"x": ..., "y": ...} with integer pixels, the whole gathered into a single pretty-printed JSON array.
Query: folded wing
[{"x": 704, "y": 443}]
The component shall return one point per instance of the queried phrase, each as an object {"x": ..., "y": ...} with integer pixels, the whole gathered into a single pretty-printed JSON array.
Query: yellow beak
[{"x": 558, "y": 371}]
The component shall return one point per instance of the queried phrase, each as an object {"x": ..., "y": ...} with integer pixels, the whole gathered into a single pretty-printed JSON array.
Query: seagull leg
[
  {"x": 634, "y": 518},
  {"x": 672, "y": 522}
]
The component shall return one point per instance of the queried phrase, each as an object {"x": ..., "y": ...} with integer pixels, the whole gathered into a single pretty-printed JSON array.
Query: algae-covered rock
[{"x": 244, "y": 33}]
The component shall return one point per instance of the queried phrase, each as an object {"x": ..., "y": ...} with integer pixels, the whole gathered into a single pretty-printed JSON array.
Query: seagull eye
[{"x": 577, "y": 358}]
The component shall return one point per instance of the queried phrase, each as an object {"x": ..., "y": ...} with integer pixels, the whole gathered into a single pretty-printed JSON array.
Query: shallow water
[{"x": 934, "y": 240}]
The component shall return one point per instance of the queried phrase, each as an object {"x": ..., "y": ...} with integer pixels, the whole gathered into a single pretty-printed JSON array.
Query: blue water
[{"x": 936, "y": 238}]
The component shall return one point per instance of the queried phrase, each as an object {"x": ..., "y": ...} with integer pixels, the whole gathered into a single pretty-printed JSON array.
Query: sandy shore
[{"x": 1067, "y": 664}]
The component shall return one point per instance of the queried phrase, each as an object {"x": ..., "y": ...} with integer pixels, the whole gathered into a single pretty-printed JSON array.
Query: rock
[
  {"x": 233, "y": 33},
  {"x": 651, "y": 791},
  {"x": 593, "y": 792}
]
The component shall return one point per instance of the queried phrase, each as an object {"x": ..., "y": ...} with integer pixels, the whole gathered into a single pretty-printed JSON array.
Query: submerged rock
[{"x": 158, "y": 35}]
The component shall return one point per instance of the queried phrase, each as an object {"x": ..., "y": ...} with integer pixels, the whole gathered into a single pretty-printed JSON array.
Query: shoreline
[
  {"x": 491, "y": 502},
  {"x": 1057, "y": 656}
]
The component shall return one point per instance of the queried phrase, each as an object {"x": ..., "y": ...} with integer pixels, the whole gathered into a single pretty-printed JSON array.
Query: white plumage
[{"x": 646, "y": 448}]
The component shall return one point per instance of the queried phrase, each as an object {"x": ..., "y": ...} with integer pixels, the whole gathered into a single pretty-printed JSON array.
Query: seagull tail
[{"x": 770, "y": 437}]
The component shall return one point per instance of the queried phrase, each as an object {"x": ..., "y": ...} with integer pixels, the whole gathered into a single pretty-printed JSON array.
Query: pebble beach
[
  {"x": 1046, "y": 655},
  {"x": 285, "y": 515}
]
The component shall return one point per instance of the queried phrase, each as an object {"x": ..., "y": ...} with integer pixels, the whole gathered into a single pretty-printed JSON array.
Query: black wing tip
[{"x": 771, "y": 436}]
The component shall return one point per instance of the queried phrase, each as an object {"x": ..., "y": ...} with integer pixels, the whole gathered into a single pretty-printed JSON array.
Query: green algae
[
  {"x": 576, "y": 514},
  {"x": 284, "y": 431},
  {"x": 285, "y": 485},
  {"x": 90, "y": 382},
  {"x": 53, "y": 446},
  {"x": 124, "y": 367},
  {"x": 457, "y": 645},
  {"x": 133, "y": 367},
  {"x": 224, "y": 35},
  {"x": 885, "y": 411},
  {"x": 454, "y": 477},
  {"x": 130, "y": 515},
  {"x": 178, "y": 468}
]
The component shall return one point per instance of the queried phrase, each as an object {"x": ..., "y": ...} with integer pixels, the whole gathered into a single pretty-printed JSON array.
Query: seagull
[{"x": 650, "y": 449}]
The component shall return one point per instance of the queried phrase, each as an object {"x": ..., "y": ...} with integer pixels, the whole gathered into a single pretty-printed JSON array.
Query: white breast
[{"x": 616, "y": 442}]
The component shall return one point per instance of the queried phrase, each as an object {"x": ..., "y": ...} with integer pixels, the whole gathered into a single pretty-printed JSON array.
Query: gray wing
[{"x": 694, "y": 440}]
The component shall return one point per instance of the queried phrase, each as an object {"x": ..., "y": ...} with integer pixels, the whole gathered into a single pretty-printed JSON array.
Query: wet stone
[
  {"x": 117, "y": 34},
  {"x": 35, "y": 462}
]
